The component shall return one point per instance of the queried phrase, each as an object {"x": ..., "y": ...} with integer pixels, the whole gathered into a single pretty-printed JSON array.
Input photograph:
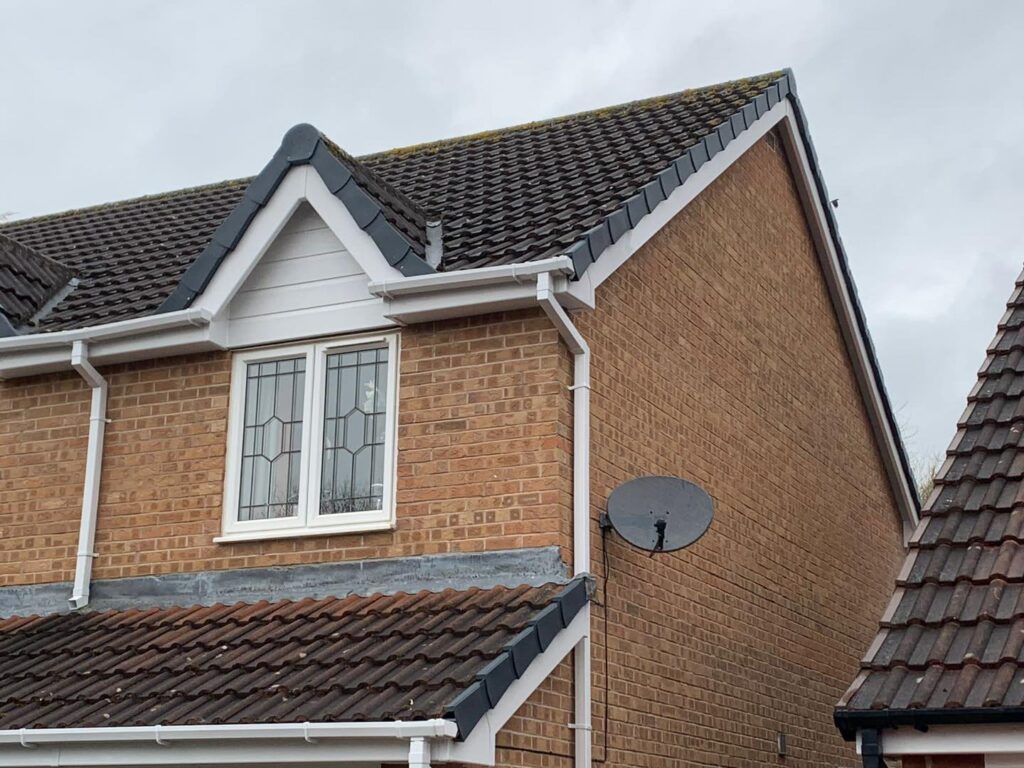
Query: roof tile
[
  {"x": 380, "y": 657},
  {"x": 956, "y": 638},
  {"x": 506, "y": 196}
]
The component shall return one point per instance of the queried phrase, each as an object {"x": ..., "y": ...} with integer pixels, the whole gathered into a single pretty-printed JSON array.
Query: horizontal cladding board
[
  {"x": 304, "y": 218},
  {"x": 295, "y": 298},
  {"x": 295, "y": 245},
  {"x": 304, "y": 269}
]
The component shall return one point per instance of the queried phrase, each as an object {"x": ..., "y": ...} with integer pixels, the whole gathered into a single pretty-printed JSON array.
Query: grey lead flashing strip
[
  {"x": 597, "y": 239},
  {"x": 302, "y": 145},
  {"x": 513, "y": 567},
  {"x": 497, "y": 676}
]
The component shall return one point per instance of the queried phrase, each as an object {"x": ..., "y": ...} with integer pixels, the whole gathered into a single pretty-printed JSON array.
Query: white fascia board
[
  {"x": 468, "y": 292},
  {"x": 189, "y": 330},
  {"x": 276, "y": 744},
  {"x": 1002, "y": 739},
  {"x": 853, "y": 336},
  {"x": 782, "y": 115},
  {"x": 479, "y": 748}
]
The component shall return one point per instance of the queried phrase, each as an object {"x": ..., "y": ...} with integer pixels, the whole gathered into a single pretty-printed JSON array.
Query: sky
[{"x": 915, "y": 109}]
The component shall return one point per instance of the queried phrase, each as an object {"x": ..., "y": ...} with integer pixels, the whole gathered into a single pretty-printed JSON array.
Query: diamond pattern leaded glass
[
  {"x": 272, "y": 439},
  {"x": 355, "y": 410}
]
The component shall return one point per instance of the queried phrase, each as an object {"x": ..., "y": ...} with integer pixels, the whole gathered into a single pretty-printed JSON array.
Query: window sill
[{"x": 296, "y": 533}]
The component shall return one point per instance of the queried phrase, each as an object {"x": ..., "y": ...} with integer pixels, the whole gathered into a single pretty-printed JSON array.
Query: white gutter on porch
[{"x": 310, "y": 743}]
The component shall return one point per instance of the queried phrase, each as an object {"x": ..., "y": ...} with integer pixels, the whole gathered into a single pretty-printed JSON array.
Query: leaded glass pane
[
  {"x": 272, "y": 439},
  {"x": 352, "y": 478}
]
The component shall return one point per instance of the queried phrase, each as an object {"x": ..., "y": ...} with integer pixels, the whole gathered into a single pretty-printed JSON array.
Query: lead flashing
[
  {"x": 497, "y": 676},
  {"x": 301, "y": 145}
]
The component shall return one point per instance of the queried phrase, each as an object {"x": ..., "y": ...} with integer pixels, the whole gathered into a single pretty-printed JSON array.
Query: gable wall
[
  {"x": 717, "y": 358},
  {"x": 484, "y": 435}
]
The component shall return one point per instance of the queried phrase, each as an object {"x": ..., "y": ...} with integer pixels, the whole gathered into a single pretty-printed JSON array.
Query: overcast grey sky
[{"x": 915, "y": 108}]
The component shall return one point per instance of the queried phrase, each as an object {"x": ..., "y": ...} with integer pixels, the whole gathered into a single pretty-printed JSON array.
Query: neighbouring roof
[
  {"x": 571, "y": 185},
  {"x": 951, "y": 644},
  {"x": 449, "y": 654},
  {"x": 28, "y": 281}
]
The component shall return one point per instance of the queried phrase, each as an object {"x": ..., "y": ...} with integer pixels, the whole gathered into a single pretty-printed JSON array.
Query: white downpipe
[
  {"x": 419, "y": 752},
  {"x": 93, "y": 469},
  {"x": 580, "y": 502}
]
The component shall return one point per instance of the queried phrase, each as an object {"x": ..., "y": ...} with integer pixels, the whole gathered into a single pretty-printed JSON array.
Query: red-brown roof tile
[{"x": 952, "y": 645}]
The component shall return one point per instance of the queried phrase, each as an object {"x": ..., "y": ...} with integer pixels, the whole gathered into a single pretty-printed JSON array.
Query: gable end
[{"x": 302, "y": 145}]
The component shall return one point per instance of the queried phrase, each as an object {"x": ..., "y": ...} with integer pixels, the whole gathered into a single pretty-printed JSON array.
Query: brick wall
[
  {"x": 484, "y": 440},
  {"x": 717, "y": 358},
  {"x": 945, "y": 761}
]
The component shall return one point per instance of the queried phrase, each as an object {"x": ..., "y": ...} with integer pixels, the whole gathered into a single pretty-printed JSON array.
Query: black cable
[{"x": 604, "y": 610}]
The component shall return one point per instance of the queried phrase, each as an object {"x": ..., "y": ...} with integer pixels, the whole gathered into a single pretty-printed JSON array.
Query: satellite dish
[{"x": 659, "y": 514}]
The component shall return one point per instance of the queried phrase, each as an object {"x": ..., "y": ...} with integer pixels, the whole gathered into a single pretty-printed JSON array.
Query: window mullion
[{"x": 309, "y": 436}]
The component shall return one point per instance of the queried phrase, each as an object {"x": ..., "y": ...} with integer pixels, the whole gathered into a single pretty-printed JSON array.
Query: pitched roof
[
  {"x": 385, "y": 657},
  {"x": 571, "y": 185},
  {"x": 951, "y": 644},
  {"x": 29, "y": 280}
]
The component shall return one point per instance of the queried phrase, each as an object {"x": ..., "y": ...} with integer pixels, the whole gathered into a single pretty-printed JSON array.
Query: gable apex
[{"x": 392, "y": 222}]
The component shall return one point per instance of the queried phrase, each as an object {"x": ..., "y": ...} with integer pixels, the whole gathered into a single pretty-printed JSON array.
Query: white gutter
[
  {"x": 93, "y": 470},
  {"x": 580, "y": 502},
  {"x": 250, "y": 744},
  {"x": 171, "y": 734},
  {"x": 471, "y": 278},
  {"x": 191, "y": 316}
]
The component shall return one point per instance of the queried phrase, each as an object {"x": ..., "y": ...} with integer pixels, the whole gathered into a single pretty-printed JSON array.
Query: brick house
[
  {"x": 941, "y": 685},
  {"x": 362, "y": 416}
]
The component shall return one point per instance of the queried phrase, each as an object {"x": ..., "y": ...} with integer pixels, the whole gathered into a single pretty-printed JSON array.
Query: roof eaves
[
  {"x": 494, "y": 680},
  {"x": 302, "y": 145}
]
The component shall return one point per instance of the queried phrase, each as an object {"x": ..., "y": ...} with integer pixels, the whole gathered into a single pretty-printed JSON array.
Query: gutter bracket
[
  {"x": 157, "y": 739},
  {"x": 305, "y": 734},
  {"x": 25, "y": 744}
]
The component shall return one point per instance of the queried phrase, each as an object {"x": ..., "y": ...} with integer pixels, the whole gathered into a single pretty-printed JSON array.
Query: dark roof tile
[
  {"x": 505, "y": 196},
  {"x": 380, "y": 657}
]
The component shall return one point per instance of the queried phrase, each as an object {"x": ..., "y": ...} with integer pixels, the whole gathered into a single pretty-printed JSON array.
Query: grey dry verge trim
[
  {"x": 302, "y": 145},
  {"x": 494, "y": 680},
  {"x": 615, "y": 225},
  {"x": 587, "y": 250},
  {"x": 434, "y": 573}
]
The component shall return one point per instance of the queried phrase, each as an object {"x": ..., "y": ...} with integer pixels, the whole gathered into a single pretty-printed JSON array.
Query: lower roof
[{"x": 421, "y": 656}]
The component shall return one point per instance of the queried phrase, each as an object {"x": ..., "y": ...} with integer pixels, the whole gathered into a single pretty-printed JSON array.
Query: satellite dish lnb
[{"x": 659, "y": 514}]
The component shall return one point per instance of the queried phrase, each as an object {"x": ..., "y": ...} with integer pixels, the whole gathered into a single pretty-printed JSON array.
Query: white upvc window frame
[{"x": 309, "y": 521}]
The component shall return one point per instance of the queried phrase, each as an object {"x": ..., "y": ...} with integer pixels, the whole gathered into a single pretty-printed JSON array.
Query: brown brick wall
[
  {"x": 484, "y": 440},
  {"x": 945, "y": 761},
  {"x": 717, "y": 358}
]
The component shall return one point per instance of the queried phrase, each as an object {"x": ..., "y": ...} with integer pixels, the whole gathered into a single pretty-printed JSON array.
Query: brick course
[{"x": 484, "y": 441}]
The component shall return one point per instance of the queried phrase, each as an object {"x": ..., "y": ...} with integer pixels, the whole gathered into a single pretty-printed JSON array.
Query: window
[{"x": 311, "y": 439}]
